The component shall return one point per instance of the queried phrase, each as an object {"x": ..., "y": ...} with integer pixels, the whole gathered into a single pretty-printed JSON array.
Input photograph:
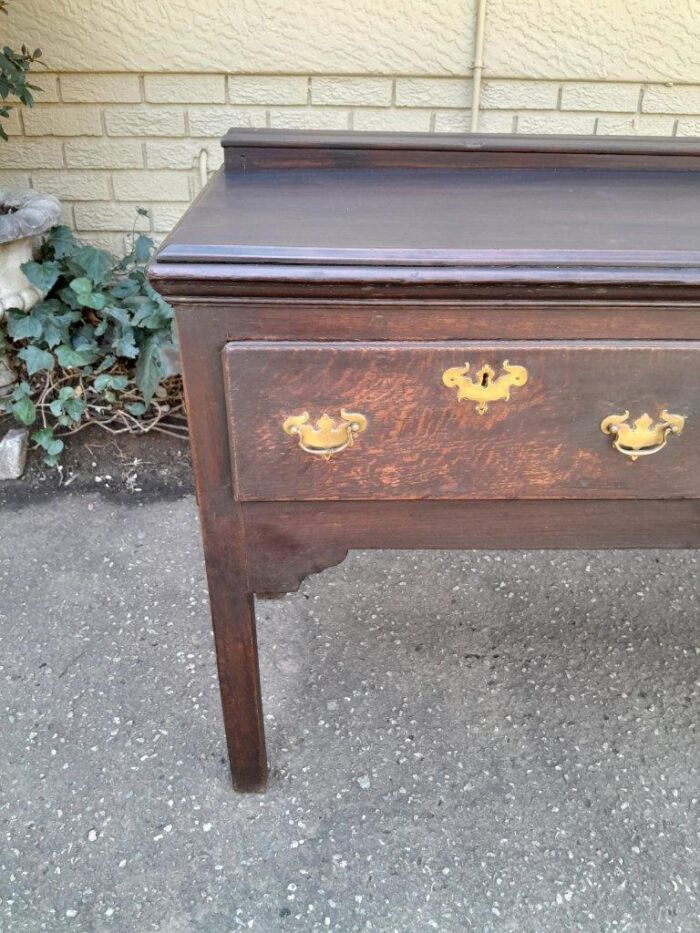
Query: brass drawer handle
[
  {"x": 326, "y": 437},
  {"x": 487, "y": 387},
  {"x": 642, "y": 437}
]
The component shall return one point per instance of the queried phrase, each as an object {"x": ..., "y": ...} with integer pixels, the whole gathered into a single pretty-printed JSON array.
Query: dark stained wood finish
[
  {"x": 287, "y": 541},
  {"x": 303, "y": 320},
  {"x": 294, "y": 243},
  {"x": 545, "y": 442},
  {"x": 223, "y": 535},
  {"x": 248, "y": 150},
  {"x": 457, "y": 223},
  {"x": 385, "y": 214},
  {"x": 573, "y": 285},
  {"x": 445, "y": 220}
]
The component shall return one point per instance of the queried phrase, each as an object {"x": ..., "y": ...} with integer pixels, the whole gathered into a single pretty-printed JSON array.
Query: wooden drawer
[{"x": 416, "y": 439}]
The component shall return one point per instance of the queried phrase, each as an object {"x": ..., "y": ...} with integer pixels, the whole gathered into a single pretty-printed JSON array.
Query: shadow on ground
[{"x": 459, "y": 741}]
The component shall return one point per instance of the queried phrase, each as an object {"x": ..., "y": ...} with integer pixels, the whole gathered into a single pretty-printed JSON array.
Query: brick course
[
  {"x": 268, "y": 89},
  {"x": 107, "y": 88},
  {"x": 433, "y": 92},
  {"x": 106, "y": 215},
  {"x": 358, "y": 92},
  {"x": 300, "y": 118},
  {"x": 214, "y": 121},
  {"x": 185, "y": 89},
  {"x": 59, "y": 120},
  {"x": 145, "y": 121},
  {"x": 103, "y": 153}
]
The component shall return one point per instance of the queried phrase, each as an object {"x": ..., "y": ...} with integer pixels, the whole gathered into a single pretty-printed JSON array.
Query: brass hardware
[
  {"x": 327, "y": 437},
  {"x": 485, "y": 388},
  {"x": 642, "y": 437}
]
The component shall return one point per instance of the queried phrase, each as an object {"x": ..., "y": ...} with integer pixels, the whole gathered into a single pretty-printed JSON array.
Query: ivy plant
[
  {"x": 14, "y": 67},
  {"x": 92, "y": 349}
]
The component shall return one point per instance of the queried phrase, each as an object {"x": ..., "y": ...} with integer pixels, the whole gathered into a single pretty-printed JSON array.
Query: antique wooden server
[{"x": 417, "y": 341}]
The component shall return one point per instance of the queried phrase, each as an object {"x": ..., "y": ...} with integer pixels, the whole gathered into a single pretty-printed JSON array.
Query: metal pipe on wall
[
  {"x": 478, "y": 66},
  {"x": 203, "y": 167}
]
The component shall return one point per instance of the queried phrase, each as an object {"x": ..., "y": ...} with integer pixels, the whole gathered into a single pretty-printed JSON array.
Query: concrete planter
[{"x": 23, "y": 215}]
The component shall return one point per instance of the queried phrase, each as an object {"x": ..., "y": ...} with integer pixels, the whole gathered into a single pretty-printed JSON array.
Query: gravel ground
[{"x": 459, "y": 741}]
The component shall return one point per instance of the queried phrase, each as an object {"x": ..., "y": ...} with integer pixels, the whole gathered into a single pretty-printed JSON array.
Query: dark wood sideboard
[{"x": 432, "y": 341}]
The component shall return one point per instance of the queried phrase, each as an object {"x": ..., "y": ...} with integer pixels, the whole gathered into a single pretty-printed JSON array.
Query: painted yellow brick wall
[{"x": 133, "y": 101}]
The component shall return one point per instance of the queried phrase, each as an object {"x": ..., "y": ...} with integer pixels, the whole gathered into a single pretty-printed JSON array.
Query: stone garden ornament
[{"x": 23, "y": 215}]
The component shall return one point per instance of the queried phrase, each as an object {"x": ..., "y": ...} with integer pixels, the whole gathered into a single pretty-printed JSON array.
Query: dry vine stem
[{"x": 165, "y": 415}]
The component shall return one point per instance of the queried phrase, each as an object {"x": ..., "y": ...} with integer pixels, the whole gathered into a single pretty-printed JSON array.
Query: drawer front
[{"x": 464, "y": 420}]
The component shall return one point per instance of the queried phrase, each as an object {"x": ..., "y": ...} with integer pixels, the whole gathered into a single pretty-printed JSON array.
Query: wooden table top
[
  {"x": 625, "y": 209},
  {"x": 442, "y": 217}
]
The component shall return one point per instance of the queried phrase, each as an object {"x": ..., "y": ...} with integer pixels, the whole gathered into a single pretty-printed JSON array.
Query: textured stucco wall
[
  {"x": 613, "y": 40},
  {"x": 630, "y": 40},
  {"x": 135, "y": 92},
  {"x": 353, "y": 36}
]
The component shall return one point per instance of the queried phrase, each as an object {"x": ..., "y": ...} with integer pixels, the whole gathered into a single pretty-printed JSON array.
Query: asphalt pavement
[{"x": 459, "y": 741}]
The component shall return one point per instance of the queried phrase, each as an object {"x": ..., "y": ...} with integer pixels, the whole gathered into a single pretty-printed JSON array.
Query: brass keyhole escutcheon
[{"x": 487, "y": 387}]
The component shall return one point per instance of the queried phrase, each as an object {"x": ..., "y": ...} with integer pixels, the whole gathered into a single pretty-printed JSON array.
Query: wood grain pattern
[
  {"x": 407, "y": 215},
  {"x": 422, "y": 443},
  {"x": 223, "y": 536},
  {"x": 518, "y": 218},
  {"x": 332, "y": 140},
  {"x": 304, "y": 320},
  {"x": 248, "y": 150},
  {"x": 289, "y": 540},
  {"x": 328, "y": 269},
  {"x": 571, "y": 284}
]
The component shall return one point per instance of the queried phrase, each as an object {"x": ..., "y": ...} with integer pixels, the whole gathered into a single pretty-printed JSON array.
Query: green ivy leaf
[
  {"x": 145, "y": 309},
  {"x": 22, "y": 326},
  {"x": 52, "y": 446},
  {"x": 120, "y": 315},
  {"x": 68, "y": 358},
  {"x": 82, "y": 286},
  {"x": 136, "y": 409},
  {"x": 62, "y": 241},
  {"x": 36, "y": 360},
  {"x": 74, "y": 408},
  {"x": 148, "y": 368},
  {"x": 125, "y": 288},
  {"x": 84, "y": 341},
  {"x": 96, "y": 263},
  {"x": 109, "y": 381},
  {"x": 55, "y": 321},
  {"x": 106, "y": 363},
  {"x": 44, "y": 437},
  {"x": 97, "y": 301},
  {"x": 88, "y": 298},
  {"x": 125, "y": 345},
  {"x": 142, "y": 248},
  {"x": 70, "y": 299},
  {"x": 43, "y": 275},
  {"x": 24, "y": 410},
  {"x": 22, "y": 390}
]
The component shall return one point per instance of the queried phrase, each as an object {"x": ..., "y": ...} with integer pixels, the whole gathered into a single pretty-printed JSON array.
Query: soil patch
[{"x": 123, "y": 467}]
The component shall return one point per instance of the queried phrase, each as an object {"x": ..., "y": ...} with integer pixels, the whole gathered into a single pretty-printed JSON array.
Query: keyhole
[{"x": 485, "y": 380}]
